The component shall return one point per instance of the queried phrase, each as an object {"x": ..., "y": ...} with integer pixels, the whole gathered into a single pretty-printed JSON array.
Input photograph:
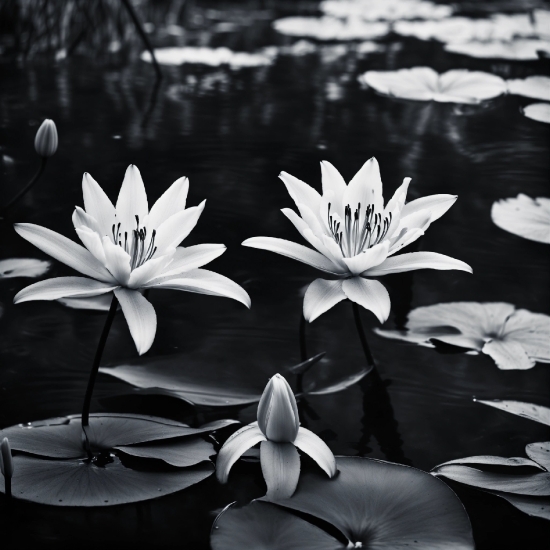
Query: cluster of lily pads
[{"x": 129, "y": 250}]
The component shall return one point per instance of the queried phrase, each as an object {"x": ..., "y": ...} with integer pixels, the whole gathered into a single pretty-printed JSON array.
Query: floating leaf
[
  {"x": 518, "y": 50},
  {"x": 540, "y": 453},
  {"x": 536, "y": 87},
  {"x": 514, "y": 338},
  {"x": 82, "y": 483},
  {"x": 524, "y": 216},
  {"x": 331, "y": 28},
  {"x": 264, "y": 526},
  {"x": 304, "y": 366},
  {"x": 424, "y": 84},
  {"x": 493, "y": 461},
  {"x": 533, "y": 506},
  {"x": 526, "y": 484},
  {"x": 181, "y": 453},
  {"x": 341, "y": 385},
  {"x": 538, "y": 413},
  {"x": 384, "y": 505},
  {"x": 23, "y": 267},
  {"x": 213, "y": 57},
  {"x": 62, "y": 437},
  {"x": 538, "y": 111}
]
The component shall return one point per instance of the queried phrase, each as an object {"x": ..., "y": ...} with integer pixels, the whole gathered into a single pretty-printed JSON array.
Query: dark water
[{"x": 231, "y": 133}]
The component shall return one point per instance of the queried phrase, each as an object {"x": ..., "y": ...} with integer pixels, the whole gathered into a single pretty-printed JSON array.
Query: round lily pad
[
  {"x": 265, "y": 526},
  {"x": 384, "y": 505},
  {"x": 84, "y": 483}
]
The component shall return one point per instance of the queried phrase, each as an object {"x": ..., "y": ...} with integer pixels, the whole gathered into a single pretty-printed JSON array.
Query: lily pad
[
  {"x": 516, "y": 50},
  {"x": 201, "y": 381},
  {"x": 520, "y": 484},
  {"x": 62, "y": 437},
  {"x": 23, "y": 267},
  {"x": 536, "y": 87},
  {"x": 382, "y": 505},
  {"x": 424, "y": 84},
  {"x": 538, "y": 413},
  {"x": 540, "y": 453},
  {"x": 83, "y": 483},
  {"x": 532, "y": 506},
  {"x": 538, "y": 111},
  {"x": 265, "y": 526},
  {"x": 331, "y": 28},
  {"x": 513, "y": 338},
  {"x": 494, "y": 461},
  {"x": 524, "y": 216}
]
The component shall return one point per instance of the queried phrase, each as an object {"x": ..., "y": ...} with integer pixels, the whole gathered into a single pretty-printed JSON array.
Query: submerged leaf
[
  {"x": 524, "y": 216},
  {"x": 538, "y": 413},
  {"x": 81, "y": 483},
  {"x": 264, "y": 526},
  {"x": 385, "y": 505},
  {"x": 23, "y": 267}
]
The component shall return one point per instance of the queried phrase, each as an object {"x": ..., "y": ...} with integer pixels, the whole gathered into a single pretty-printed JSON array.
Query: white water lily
[
  {"x": 278, "y": 429},
  {"x": 355, "y": 237},
  {"x": 127, "y": 249}
]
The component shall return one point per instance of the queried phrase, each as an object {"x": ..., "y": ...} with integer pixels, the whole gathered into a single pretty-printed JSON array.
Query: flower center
[
  {"x": 359, "y": 232},
  {"x": 134, "y": 243}
]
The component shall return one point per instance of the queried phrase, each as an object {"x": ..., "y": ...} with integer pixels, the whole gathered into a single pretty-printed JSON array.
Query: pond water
[{"x": 231, "y": 132}]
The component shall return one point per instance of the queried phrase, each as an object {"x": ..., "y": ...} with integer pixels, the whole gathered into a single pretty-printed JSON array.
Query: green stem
[
  {"x": 93, "y": 373},
  {"x": 27, "y": 187}
]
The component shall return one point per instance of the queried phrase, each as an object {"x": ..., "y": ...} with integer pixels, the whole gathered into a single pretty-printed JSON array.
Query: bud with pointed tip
[
  {"x": 277, "y": 412},
  {"x": 6, "y": 460},
  {"x": 45, "y": 141}
]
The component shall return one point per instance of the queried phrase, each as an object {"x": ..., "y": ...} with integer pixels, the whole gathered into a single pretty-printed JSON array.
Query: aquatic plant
[
  {"x": 6, "y": 465},
  {"x": 538, "y": 111},
  {"x": 513, "y": 338},
  {"x": 279, "y": 432},
  {"x": 529, "y": 218},
  {"x": 129, "y": 249}
]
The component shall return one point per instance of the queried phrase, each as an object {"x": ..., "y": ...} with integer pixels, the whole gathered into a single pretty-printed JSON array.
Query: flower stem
[
  {"x": 362, "y": 337},
  {"x": 29, "y": 185},
  {"x": 303, "y": 353},
  {"x": 7, "y": 486},
  {"x": 93, "y": 373}
]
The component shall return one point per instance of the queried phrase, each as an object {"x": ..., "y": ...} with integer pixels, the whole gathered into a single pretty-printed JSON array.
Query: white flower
[
  {"x": 46, "y": 140},
  {"x": 278, "y": 429},
  {"x": 355, "y": 237},
  {"x": 128, "y": 248}
]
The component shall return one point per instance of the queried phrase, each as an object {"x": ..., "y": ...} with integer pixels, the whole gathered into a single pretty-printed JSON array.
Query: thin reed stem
[{"x": 27, "y": 187}]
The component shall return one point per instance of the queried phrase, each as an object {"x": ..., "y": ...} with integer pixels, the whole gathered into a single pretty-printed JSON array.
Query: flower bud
[
  {"x": 277, "y": 412},
  {"x": 6, "y": 460},
  {"x": 45, "y": 141}
]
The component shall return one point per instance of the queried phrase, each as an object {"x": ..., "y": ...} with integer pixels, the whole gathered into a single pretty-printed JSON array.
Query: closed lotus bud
[
  {"x": 277, "y": 412},
  {"x": 45, "y": 141},
  {"x": 6, "y": 460}
]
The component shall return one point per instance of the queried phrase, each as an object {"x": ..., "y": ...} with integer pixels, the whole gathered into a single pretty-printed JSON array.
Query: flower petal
[
  {"x": 171, "y": 232},
  {"x": 171, "y": 202},
  {"x": 395, "y": 206},
  {"x": 63, "y": 287},
  {"x": 368, "y": 258},
  {"x": 301, "y": 192},
  {"x": 416, "y": 260},
  {"x": 234, "y": 447},
  {"x": 97, "y": 204},
  {"x": 117, "y": 261},
  {"x": 371, "y": 295},
  {"x": 149, "y": 270},
  {"x": 404, "y": 238},
  {"x": 295, "y": 251},
  {"x": 132, "y": 199},
  {"x": 366, "y": 187},
  {"x": 192, "y": 257},
  {"x": 332, "y": 179},
  {"x": 66, "y": 251},
  {"x": 316, "y": 448},
  {"x": 82, "y": 219},
  {"x": 281, "y": 469},
  {"x": 508, "y": 354},
  {"x": 436, "y": 205},
  {"x": 202, "y": 281},
  {"x": 140, "y": 316},
  {"x": 90, "y": 239},
  {"x": 322, "y": 295}
]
